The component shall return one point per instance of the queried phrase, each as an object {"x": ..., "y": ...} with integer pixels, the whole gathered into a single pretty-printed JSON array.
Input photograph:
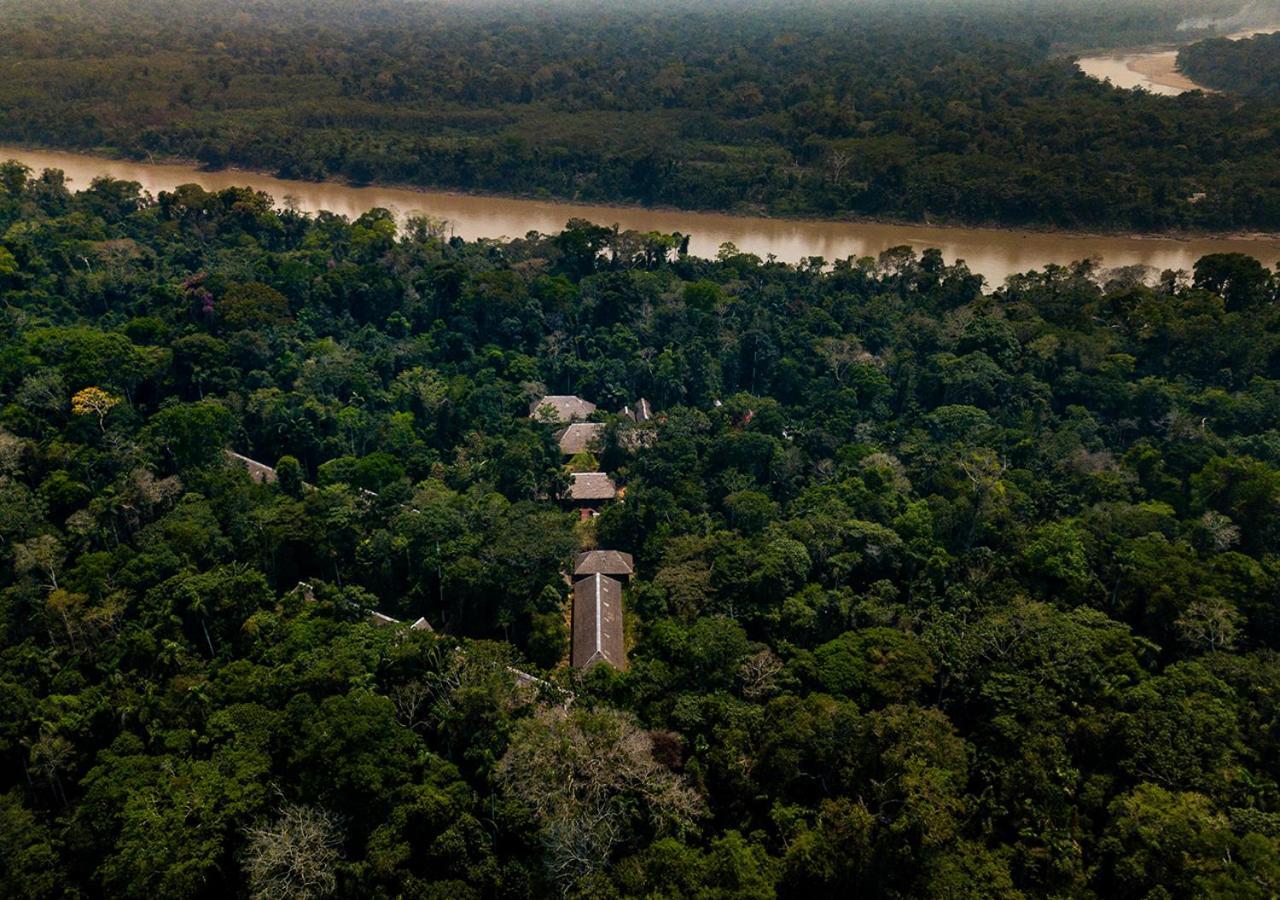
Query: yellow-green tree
[{"x": 94, "y": 401}]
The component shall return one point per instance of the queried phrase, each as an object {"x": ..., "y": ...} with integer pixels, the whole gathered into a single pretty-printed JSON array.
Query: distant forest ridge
[
  {"x": 1078, "y": 20},
  {"x": 969, "y": 113}
]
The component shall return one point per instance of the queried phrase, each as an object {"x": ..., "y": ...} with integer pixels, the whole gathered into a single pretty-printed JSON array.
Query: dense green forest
[
  {"x": 940, "y": 592},
  {"x": 1249, "y": 67},
  {"x": 918, "y": 111}
]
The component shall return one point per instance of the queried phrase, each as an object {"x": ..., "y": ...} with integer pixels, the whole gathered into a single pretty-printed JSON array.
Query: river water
[
  {"x": 993, "y": 253},
  {"x": 1155, "y": 69}
]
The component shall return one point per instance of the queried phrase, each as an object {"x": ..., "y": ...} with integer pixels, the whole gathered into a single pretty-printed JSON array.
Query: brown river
[
  {"x": 993, "y": 253},
  {"x": 1152, "y": 69}
]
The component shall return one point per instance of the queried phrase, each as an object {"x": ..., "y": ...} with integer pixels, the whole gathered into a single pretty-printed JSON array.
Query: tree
[
  {"x": 87, "y": 356},
  {"x": 1209, "y": 624},
  {"x": 45, "y": 390},
  {"x": 192, "y": 434},
  {"x": 841, "y": 354},
  {"x": 548, "y": 638},
  {"x": 1163, "y": 840},
  {"x": 1246, "y": 490},
  {"x": 589, "y": 779},
  {"x": 253, "y": 305},
  {"x": 289, "y": 476},
  {"x": 294, "y": 856},
  {"x": 350, "y": 753},
  {"x": 96, "y": 402},
  {"x": 42, "y": 555},
  {"x": 874, "y": 666},
  {"x": 1240, "y": 279},
  {"x": 1179, "y": 731},
  {"x": 433, "y": 838},
  {"x": 29, "y": 853},
  {"x": 580, "y": 243},
  {"x": 161, "y": 824},
  {"x": 201, "y": 360}
]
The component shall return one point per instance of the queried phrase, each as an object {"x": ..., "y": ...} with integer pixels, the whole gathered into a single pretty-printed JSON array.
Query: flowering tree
[{"x": 94, "y": 401}]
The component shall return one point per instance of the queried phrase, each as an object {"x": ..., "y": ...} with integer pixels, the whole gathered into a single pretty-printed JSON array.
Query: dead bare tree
[
  {"x": 838, "y": 160},
  {"x": 43, "y": 554},
  {"x": 295, "y": 855},
  {"x": 1209, "y": 625},
  {"x": 759, "y": 674},
  {"x": 412, "y": 701},
  {"x": 586, "y": 775}
]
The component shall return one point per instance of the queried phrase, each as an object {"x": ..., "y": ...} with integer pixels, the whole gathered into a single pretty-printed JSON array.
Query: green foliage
[
  {"x": 28, "y": 853},
  {"x": 874, "y": 666},
  {"x": 191, "y": 434},
  {"x": 1179, "y": 844},
  {"x": 914, "y": 110},
  {"x": 1247, "y": 67},
  {"x": 949, "y": 594},
  {"x": 289, "y": 475}
]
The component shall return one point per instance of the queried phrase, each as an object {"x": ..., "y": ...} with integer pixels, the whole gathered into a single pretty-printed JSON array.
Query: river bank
[
  {"x": 1154, "y": 69},
  {"x": 243, "y": 176},
  {"x": 992, "y": 252}
]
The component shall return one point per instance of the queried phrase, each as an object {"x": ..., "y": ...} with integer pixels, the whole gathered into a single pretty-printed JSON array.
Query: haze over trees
[
  {"x": 941, "y": 590},
  {"x": 920, "y": 111}
]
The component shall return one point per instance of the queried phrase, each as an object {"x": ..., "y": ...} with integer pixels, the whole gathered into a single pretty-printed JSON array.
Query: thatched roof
[
  {"x": 382, "y": 619},
  {"x": 580, "y": 437},
  {"x": 604, "y": 562},
  {"x": 592, "y": 486},
  {"x": 597, "y": 623},
  {"x": 563, "y": 408},
  {"x": 259, "y": 472}
]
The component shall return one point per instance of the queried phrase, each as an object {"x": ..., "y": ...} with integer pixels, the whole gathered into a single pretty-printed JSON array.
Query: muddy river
[
  {"x": 994, "y": 253},
  {"x": 1155, "y": 69}
]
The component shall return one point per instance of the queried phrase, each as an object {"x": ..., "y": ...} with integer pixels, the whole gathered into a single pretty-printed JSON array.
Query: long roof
[
  {"x": 592, "y": 486},
  {"x": 259, "y": 472},
  {"x": 597, "y": 623},
  {"x": 604, "y": 562},
  {"x": 579, "y": 437},
  {"x": 564, "y": 407}
]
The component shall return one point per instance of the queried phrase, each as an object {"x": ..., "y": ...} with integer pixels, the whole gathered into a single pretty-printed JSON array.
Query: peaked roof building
[
  {"x": 590, "y": 487},
  {"x": 564, "y": 408},
  {"x": 259, "y": 472},
  {"x": 597, "y": 623},
  {"x": 383, "y": 620},
  {"x": 641, "y": 412},
  {"x": 614, "y": 563},
  {"x": 580, "y": 437}
]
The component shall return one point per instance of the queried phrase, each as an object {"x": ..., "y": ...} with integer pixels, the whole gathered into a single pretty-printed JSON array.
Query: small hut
[{"x": 589, "y": 491}]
